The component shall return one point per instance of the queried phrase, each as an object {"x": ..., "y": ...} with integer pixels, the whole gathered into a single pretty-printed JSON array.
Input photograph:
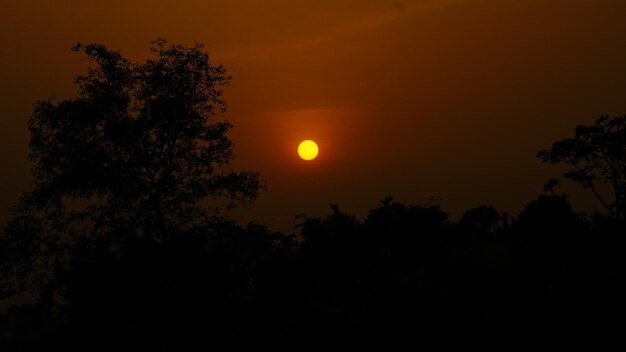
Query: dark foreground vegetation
[
  {"x": 405, "y": 276},
  {"x": 117, "y": 250}
]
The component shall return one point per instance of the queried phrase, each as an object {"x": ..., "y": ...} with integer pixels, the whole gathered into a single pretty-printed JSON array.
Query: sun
[{"x": 308, "y": 150}]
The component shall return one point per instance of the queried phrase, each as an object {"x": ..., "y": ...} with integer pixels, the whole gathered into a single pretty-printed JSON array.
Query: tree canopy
[
  {"x": 596, "y": 155},
  {"x": 136, "y": 153},
  {"x": 140, "y": 138}
]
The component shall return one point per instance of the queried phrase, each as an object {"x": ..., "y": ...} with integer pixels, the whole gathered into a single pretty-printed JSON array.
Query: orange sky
[{"x": 425, "y": 98}]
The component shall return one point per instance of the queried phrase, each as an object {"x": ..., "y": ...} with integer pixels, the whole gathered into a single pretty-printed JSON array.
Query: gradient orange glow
[{"x": 453, "y": 97}]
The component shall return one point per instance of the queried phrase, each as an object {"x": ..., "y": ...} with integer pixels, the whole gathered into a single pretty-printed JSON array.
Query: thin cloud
[{"x": 393, "y": 11}]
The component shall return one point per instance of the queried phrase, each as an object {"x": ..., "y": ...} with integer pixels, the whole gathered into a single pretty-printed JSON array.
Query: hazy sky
[{"x": 417, "y": 99}]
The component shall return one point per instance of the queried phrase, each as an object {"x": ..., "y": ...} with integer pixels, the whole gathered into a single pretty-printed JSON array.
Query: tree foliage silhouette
[
  {"x": 483, "y": 219},
  {"x": 596, "y": 155},
  {"x": 139, "y": 143},
  {"x": 136, "y": 154}
]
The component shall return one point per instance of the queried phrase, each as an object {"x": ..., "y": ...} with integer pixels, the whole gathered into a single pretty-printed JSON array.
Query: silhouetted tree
[
  {"x": 139, "y": 146},
  {"x": 133, "y": 156},
  {"x": 596, "y": 155},
  {"x": 549, "y": 213},
  {"x": 397, "y": 219}
]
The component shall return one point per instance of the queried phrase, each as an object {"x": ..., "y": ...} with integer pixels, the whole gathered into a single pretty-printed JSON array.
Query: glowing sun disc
[{"x": 308, "y": 150}]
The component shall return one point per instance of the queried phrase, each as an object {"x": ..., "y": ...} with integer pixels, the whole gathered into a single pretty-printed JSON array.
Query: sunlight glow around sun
[{"x": 308, "y": 150}]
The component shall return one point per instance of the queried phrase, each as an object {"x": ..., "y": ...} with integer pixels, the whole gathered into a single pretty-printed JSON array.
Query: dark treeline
[{"x": 405, "y": 276}]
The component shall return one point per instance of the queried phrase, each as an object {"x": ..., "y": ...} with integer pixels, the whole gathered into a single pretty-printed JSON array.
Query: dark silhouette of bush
[
  {"x": 481, "y": 220},
  {"x": 404, "y": 277}
]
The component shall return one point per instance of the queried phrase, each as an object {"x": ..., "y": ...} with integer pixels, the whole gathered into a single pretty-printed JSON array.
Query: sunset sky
[{"x": 449, "y": 99}]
